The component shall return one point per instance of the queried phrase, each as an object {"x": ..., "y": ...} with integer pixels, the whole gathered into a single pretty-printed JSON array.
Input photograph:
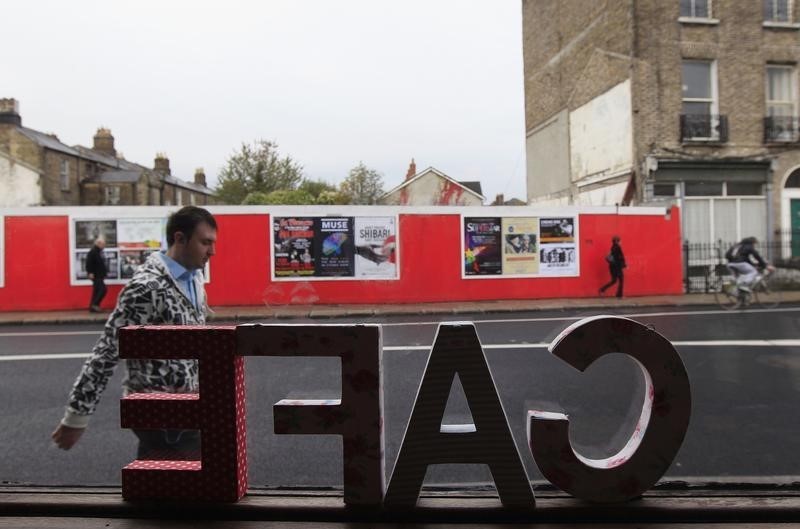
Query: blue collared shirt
[{"x": 182, "y": 276}]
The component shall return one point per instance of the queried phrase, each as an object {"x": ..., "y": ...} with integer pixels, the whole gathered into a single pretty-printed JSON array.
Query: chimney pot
[
  {"x": 104, "y": 142},
  {"x": 161, "y": 164},
  {"x": 9, "y": 112},
  {"x": 200, "y": 177}
]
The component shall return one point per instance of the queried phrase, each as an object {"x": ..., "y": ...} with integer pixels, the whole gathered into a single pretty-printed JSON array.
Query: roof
[
  {"x": 47, "y": 141},
  {"x": 169, "y": 179},
  {"x": 118, "y": 177},
  {"x": 475, "y": 186},
  {"x": 442, "y": 175}
]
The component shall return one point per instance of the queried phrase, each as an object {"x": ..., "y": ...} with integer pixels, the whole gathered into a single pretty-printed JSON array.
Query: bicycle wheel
[
  {"x": 726, "y": 294},
  {"x": 766, "y": 293}
]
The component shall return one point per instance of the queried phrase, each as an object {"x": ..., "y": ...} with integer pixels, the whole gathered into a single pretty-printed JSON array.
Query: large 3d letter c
[{"x": 662, "y": 425}]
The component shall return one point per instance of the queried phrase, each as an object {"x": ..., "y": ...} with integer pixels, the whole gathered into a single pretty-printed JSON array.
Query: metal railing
[
  {"x": 781, "y": 129},
  {"x": 704, "y": 127}
]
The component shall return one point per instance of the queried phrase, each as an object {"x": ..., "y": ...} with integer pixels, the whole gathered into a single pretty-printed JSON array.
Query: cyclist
[{"x": 740, "y": 260}]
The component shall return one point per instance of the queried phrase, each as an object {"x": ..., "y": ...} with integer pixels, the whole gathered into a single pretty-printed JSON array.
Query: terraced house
[{"x": 37, "y": 169}]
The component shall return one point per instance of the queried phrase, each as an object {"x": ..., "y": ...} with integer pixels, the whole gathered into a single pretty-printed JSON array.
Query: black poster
[
  {"x": 482, "y": 246},
  {"x": 293, "y": 246},
  {"x": 334, "y": 247}
]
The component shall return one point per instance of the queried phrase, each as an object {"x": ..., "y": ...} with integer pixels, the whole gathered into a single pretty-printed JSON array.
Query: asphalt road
[{"x": 744, "y": 369}]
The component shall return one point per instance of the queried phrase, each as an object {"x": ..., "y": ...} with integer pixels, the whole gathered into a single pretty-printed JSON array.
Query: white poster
[
  {"x": 141, "y": 234},
  {"x": 376, "y": 247}
]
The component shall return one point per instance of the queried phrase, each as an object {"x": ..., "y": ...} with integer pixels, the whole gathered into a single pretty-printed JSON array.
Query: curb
[{"x": 321, "y": 312}]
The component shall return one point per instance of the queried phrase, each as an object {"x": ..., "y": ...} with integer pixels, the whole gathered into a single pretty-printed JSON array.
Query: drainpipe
[{"x": 770, "y": 210}]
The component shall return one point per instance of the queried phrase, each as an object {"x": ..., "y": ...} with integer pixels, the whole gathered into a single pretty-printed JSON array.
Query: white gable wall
[{"x": 19, "y": 185}]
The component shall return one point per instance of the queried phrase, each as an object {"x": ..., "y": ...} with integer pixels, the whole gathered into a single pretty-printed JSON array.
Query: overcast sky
[{"x": 333, "y": 82}]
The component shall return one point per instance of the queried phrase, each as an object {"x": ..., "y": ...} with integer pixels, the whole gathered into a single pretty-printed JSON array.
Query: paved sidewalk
[{"x": 260, "y": 313}]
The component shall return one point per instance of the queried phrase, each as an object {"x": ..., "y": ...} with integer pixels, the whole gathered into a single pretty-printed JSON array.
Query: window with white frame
[
  {"x": 178, "y": 196},
  {"x": 782, "y": 107},
  {"x": 778, "y": 10},
  {"x": 699, "y": 98},
  {"x": 64, "y": 175},
  {"x": 112, "y": 195},
  {"x": 695, "y": 9}
]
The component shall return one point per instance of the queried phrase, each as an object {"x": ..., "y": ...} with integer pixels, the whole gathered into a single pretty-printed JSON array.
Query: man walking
[
  {"x": 616, "y": 263},
  {"x": 97, "y": 270},
  {"x": 167, "y": 289}
]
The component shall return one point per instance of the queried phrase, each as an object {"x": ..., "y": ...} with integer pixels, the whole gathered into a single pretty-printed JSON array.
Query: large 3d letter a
[{"x": 427, "y": 442}]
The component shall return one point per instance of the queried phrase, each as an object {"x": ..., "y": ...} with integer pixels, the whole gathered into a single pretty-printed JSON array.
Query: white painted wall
[
  {"x": 547, "y": 154},
  {"x": 603, "y": 196},
  {"x": 19, "y": 184},
  {"x": 431, "y": 189},
  {"x": 601, "y": 135}
]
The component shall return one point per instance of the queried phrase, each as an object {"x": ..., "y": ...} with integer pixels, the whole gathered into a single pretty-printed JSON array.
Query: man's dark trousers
[{"x": 99, "y": 290}]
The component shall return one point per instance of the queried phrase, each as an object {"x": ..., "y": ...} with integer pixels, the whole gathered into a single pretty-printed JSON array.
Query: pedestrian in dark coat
[
  {"x": 97, "y": 271},
  {"x": 616, "y": 262}
]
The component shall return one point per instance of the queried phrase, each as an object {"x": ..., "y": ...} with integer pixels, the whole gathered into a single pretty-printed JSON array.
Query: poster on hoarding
[
  {"x": 88, "y": 231},
  {"x": 334, "y": 247},
  {"x": 375, "y": 247},
  {"x": 141, "y": 233},
  {"x": 111, "y": 258},
  {"x": 558, "y": 253},
  {"x": 293, "y": 246},
  {"x": 509, "y": 247},
  {"x": 482, "y": 242},
  {"x": 520, "y": 245}
]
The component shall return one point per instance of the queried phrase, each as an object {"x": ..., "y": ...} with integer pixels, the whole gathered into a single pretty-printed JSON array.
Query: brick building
[
  {"x": 37, "y": 169},
  {"x": 692, "y": 102}
]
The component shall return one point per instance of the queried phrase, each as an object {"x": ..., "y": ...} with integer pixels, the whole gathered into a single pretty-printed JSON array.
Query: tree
[
  {"x": 279, "y": 197},
  {"x": 362, "y": 186},
  {"x": 257, "y": 168}
]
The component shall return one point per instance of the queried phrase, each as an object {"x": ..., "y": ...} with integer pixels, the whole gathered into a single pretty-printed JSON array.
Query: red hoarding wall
[{"x": 37, "y": 265}]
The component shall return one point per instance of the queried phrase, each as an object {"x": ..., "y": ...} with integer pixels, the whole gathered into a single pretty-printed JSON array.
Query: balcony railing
[
  {"x": 704, "y": 127},
  {"x": 781, "y": 129}
]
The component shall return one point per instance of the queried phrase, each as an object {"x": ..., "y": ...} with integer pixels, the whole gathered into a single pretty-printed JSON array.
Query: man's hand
[
  {"x": 65, "y": 437},
  {"x": 91, "y": 276}
]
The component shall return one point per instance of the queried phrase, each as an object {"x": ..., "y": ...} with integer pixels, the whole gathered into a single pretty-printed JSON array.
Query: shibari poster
[
  {"x": 376, "y": 247},
  {"x": 520, "y": 245},
  {"x": 482, "y": 246},
  {"x": 558, "y": 254},
  {"x": 293, "y": 246},
  {"x": 334, "y": 247}
]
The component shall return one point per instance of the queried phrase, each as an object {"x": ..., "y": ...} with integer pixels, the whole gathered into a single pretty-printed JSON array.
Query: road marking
[
  {"x": 499, "y": 346},
  {"x": 47, "y": 333},
  {"x": 599, "y": 310}
]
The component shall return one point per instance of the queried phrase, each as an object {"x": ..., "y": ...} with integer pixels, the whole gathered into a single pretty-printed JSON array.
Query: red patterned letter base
[{"x": 218, "y": 411}]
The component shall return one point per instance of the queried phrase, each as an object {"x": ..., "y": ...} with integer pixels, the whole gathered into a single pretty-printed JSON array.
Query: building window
[
  {"x": 155, "y": 197},
  {"x": 112, "y": 195},
  {"x": 703, "y": 189},
  {"x": 700, "y": 119},
  {"x": 192, "y": 199},
  {"x": 664, "y": 190},
  {"x": 777, "y": 10},
  {"x": 64, "y": 175},
  {"x": 178, "y": 197},
  {"x": 781, "y": 122},
  {"x": 696, "y": 8}
]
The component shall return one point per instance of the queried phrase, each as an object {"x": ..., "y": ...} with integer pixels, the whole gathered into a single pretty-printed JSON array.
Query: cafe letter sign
[{"x": 218, "y": 411}]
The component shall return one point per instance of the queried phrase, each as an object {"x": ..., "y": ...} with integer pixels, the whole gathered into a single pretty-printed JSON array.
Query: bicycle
[{"x": 763, "y": 292}]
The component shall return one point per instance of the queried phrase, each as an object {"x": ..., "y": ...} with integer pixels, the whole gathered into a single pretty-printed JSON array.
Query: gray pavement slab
[{"x": 238, "y": 313}]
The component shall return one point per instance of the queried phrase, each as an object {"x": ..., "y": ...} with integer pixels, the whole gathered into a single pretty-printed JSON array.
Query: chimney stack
[
  {"x": 9, "y": 112},
  {"x": 104, "y": 142},
  {"x": 161, "y": 164},
  {"x": 412, "y": 169},
  {"x": 200, "y": 177},
  {"x": 500, "y": 200}
]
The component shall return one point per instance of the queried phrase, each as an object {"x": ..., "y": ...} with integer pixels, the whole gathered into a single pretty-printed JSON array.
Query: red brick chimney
[
  {"x": 161, "y": 164},
  {"x": 412, "y": 169},
  {"x": 104, "y": 142}
]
